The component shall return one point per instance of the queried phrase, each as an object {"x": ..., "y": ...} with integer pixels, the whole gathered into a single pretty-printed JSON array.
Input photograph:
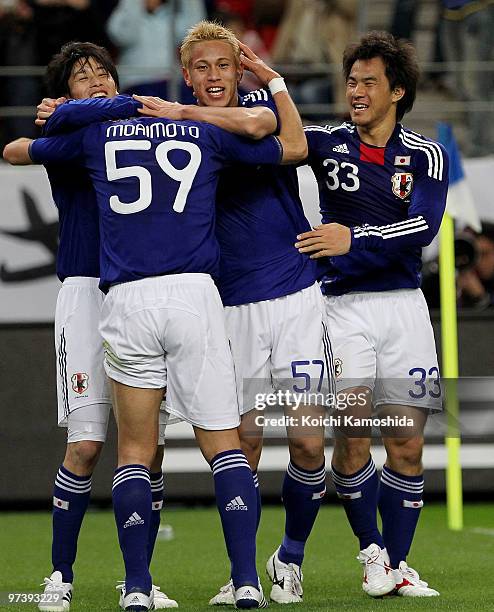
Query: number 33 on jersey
[{"x": 394, "y": 195}]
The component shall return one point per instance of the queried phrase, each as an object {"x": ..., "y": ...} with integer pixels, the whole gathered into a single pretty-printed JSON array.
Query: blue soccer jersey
[
  {"x": 393, "y": 199},
  {"x": 78, "y": 229},
  {"x": 155, "y": 183},
  {"x": 259, "y": 214},
  {"x": 75, "y": 114},
  {"x": 73, "y": 192}
]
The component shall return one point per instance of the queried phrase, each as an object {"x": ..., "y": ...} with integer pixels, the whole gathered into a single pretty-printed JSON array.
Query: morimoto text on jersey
[
  {"x": 164, "y": 175},
  {"x": 392, "y": 197}
]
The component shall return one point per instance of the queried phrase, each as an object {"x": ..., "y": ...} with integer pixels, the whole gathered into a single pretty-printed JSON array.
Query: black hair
[
  {"x": 60, "y": 67},
  {"x": 399, "y": 58}
]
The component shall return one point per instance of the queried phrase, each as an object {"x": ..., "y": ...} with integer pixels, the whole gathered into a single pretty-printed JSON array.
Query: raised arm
[
  {"x": 291, "y": 135},
  {"x": 17, "y": 152},
  {"x": 255, "y": 122}
]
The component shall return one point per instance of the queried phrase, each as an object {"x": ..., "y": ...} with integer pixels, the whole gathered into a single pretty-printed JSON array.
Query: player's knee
[
  {"x": 252, "y": 448},
  {"x": 405, "y": 452},
  {"x": 83, "y": 455},
  {"x": 350, "y": 454},
  {"x": 307, "y": 452},
  {"x": 352, "y": 448}
]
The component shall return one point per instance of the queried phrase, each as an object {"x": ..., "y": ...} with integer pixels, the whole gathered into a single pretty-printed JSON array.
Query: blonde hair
[{"x": 205, "y": 31}]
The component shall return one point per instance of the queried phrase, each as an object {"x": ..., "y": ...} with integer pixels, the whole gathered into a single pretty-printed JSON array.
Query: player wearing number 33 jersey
[
  {"x": 393, "y": 200},
  {"x": 392, "y": 197},
  {"x": 382, "y": 194}
]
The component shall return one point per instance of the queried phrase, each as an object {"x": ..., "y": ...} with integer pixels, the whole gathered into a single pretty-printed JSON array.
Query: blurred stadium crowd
[{"x": 308, "y": 35}]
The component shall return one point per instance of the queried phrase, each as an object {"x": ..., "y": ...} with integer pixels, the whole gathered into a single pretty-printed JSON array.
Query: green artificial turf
[{"x": 192, "y": 565}]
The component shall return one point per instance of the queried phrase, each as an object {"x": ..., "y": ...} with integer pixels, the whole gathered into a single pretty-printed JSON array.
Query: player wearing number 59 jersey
[
  {"x": 155, "y": 183},
  {"x": 382, "y": 194},
  {"x": 163, "y": 172},
  {"x": 85, "y": 73},
  {"x": 274, "y": 308}
]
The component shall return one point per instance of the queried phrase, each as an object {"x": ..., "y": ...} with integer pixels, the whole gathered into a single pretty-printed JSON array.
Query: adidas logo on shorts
[
  {"x": 341, "y": 148},
  {"x": 134, "y": 519},
  {"x": 236, "y": 504}
]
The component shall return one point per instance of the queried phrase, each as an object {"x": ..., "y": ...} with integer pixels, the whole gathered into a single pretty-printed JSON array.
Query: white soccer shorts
[
  {"x": 281, "y": 343},
  {"x": 91, "y": 423},
  {"x": 81, "y": 379},
  {"x": 384, "y": 341},
  {"x": 170, "y": 330}
]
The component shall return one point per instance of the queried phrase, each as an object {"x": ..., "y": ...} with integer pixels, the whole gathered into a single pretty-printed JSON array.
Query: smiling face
[
  {"x": 213, "y": 73},
  {"x": 369, "y": 96},
  {"x": 89, "y": 79}
]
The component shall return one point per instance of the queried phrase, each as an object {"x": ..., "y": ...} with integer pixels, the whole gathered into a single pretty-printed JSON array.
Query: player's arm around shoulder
[
  {"x": 72, "y": 115},
  {"x": 255, "y": 122},
  {"x": 16, "y": 152}
]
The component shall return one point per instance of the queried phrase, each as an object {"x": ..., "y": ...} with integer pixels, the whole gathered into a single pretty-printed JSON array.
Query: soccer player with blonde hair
[{"x": 274, "y": 312}]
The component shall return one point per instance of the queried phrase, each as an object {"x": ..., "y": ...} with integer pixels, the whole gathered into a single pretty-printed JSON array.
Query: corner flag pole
[{"x": 449, "y": 346}]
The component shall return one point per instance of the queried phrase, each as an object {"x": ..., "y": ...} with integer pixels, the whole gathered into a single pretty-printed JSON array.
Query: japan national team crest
[
  {"x": 80, "y": 382},
  {"x": 402, "y": 184},
  {"x": 338, "y": 367}
]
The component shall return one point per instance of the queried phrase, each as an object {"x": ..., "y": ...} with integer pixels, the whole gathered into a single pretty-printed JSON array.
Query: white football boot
[
  {"x": 137, "y": 601},
  {"x": 287, "y": 580},
  {"x": 249, "y": 597},
  {"x": 378, "y": 577},
  {"x": 408, "y": 583},
  {"x": 225, "y": 596},
  {"x": 160, "y": 599},
  {"x": 57, "y": 594}
]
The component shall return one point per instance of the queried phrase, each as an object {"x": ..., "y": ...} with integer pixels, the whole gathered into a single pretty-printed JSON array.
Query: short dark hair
[
  {"x": 399, "y": 58},
  {"x": 60, "y": 67}
]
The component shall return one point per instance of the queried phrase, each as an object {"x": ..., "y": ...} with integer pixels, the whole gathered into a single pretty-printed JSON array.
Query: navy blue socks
[
  {"x": 400, "y": 502},
  {"x": 70, "y": 500},
  {"x": 302, "y": 493},
  {"x": 358, "y": 492},
  {"x": 237, "y": 501},
  {"x": 132, "y": 507}
]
